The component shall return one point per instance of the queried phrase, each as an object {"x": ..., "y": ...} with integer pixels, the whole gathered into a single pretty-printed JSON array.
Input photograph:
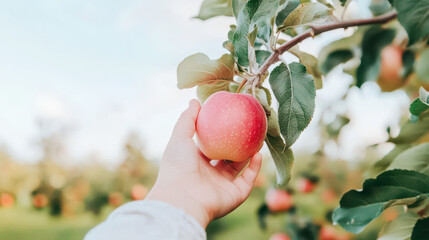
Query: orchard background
[{"x": 89, "y": 97}]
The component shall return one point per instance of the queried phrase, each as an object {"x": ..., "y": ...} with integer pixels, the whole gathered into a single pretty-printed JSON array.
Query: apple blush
[{"x": 231, "y": 126}]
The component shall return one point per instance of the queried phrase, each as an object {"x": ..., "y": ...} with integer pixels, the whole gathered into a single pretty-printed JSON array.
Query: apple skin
[
  {"x": 231, "y": 126},
  {"x": 278, "y": 200},
  {"x": 328, "y": 233},
  {"x": 329, "y": 196},
  {"x": 138, "y": 192},
  {"x": 115, "y": 199},
  {"x": 279, "y": 236},
  {"x": 6, "y": 200},
  {"x": 40, "y": 200},
  {"x": 390, "y": 71},
  {"x": 304, "y": 185}
]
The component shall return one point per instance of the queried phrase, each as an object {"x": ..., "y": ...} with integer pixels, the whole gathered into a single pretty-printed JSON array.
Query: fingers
[
  {"x": 185, "y": 125},
  {"x": 247, "y": 179},
  {"x": 231, "y": 169}
]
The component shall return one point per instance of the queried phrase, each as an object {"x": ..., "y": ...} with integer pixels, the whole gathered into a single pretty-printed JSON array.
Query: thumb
[{"x": 185, "y": 125}]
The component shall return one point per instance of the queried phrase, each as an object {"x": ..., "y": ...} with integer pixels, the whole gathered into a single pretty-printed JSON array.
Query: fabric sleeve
[{"x": 148, "y": 220}]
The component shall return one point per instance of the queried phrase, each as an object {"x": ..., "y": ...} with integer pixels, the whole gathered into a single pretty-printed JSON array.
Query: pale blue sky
[{"x": 106, "y": 68}]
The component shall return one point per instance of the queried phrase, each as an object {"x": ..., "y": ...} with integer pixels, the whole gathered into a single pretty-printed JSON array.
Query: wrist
[{"x": 177, "y": 197}]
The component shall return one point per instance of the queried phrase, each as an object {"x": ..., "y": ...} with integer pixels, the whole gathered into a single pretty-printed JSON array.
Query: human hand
[{"x": 204, "y": 188}]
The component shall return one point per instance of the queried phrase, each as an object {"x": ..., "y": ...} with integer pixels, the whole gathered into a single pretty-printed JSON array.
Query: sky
[{"x": 104, "y": 69}]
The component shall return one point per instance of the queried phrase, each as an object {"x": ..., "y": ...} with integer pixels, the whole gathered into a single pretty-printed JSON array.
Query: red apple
[
  {"x": 329, "y": 196},
  {"x": 304, "y": 185},
  {"x": 279, "y": 236},
  {"x": 40, "y": 200},
  {"x": 390, "y": 71},
  {"x": 231, "y": 126},
  {"x": 115, "y": 199},
  {"x": 328, "y": 233},
  {"x": 7, "y": 200},
  {"x": 278, "y": 200},
  {"x": 138, "y": 192}
]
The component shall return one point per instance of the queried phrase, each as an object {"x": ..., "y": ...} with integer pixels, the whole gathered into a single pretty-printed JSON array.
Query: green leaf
[
  {"x": 422, "y": 66},
  {"x": 311, "y": 64},
  {"x": 264, "y": 98},
  {"x": 228, "y": 46},
  {"x": 415, "y": 158},
  {"x": 379, "y": 7},
  {"x": 374, "y": 40},
  {"x": 251, "y": 37},
  {"x": 395, "y": 187},
  {"x": 335, "y": 127},
  {"x": 273, "y": 128},
  {"x": 339, "y": 51},
  {"x": 268, "y": 94},
  {"x": 206, "y": 90},
  {"x": 294, "y": 89},
  {"x": 265, "y": 31},
  {"x": 262, "y": 56},
  {"x": 231, "y": 32},
  {"x": 421, "y": 104},
  {"x": 335, "y": 58},
  {"x": 400, "y": 228},
  {"x": 263, "y": 212},
  {"x": 412, "y": 132},
  {"x": 237, "y": 5},
  {"x": 254, "y": 12},
  {"x": 198, "y": 69},
  {"x": 214, "y": 8},
  {"x": 283, "y": 159},
  {"x": 306, "y": 13},
  {"x": 421, "y": 229},
  {"x": 413, "y": 16},
  {"x": 326, "y": 3},
  {"x": 287, "y": 9},
  {"x": 385, "y": 162},
  {"x": 408, "y": 58},
  {"x": 343, "y": 2}
]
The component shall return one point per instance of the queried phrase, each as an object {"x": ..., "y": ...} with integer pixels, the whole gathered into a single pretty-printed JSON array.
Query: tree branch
[{"x": 318, "y": 29}]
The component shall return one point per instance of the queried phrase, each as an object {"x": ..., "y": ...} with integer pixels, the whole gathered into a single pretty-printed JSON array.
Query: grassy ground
[
  {"x": 24, "y": 223},
  {"x": 243, "y": 222}
]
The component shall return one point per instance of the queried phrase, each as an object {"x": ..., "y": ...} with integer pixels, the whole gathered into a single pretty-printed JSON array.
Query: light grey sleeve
[{"x": 148, "y": 220}]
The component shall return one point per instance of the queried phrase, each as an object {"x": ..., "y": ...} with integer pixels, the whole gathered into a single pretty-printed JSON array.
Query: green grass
[
  {"x": 243, "y": 222},
  {"x": 28, "y": 223},
  {"x": 24, "y": 223}
]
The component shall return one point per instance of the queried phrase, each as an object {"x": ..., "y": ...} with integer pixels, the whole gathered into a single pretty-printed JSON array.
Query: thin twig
[{"x": 318, "y": 29}]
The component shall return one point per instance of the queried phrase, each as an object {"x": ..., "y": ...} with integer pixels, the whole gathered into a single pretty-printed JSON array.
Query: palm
[{"x": 216, "y": 186}]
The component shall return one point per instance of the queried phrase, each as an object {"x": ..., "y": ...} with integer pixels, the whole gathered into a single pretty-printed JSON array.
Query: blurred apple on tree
[
  {"x": 40, "y": 200},
  {"x": 278, "y": 200},
  {"x": 329, "y": 196},
  {"x": 390, "y": 77},
  {"x": 7, "y": 200},
  {"x": 115, "y": 199},
  {"x": 279, "y": 236},
  {"x": 305, "y": 185},
  {"x": 138, "y": 192}
]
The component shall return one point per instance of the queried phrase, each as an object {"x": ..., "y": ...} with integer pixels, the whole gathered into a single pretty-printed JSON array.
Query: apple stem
[{"x": 241, "y": 85}]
